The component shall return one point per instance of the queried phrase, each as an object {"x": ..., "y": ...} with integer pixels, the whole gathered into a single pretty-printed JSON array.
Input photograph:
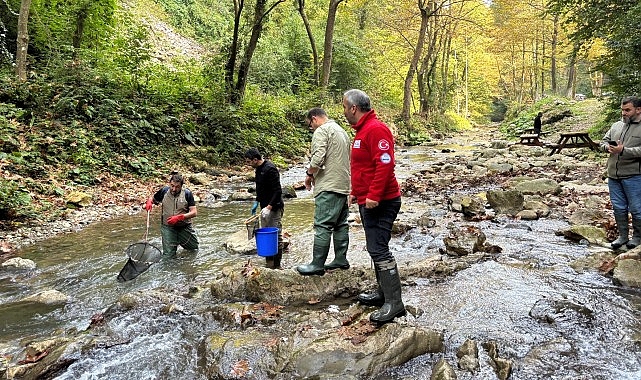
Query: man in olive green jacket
[{"x": 328, "y": 173}]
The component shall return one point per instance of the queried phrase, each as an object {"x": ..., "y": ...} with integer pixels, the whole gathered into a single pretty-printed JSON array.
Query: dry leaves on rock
[
  {"x": 32, "y": 359},
  {"x": 249, "y": 270},
  {"x": 240, "y": 369},
  {"x": 358, "y": 332}
]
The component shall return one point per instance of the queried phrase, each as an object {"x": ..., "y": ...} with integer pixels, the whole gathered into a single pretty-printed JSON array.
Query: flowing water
[{"x": 550, "y": 320}]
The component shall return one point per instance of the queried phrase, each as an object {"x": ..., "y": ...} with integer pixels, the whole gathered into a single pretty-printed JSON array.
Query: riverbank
[{"x": 111, "y": 198}]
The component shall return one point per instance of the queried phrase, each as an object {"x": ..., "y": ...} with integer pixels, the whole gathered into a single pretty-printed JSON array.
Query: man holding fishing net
[{"x": 178, "y": 209}]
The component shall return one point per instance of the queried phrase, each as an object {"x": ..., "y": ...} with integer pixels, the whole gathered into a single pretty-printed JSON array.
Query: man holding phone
[{"x": 623, "y": 142}]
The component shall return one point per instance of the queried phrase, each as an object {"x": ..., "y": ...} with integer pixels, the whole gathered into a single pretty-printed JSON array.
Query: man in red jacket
[{"x": 376, "y": 190}]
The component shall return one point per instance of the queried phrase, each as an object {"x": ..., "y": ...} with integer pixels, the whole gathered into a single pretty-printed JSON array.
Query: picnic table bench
[
  {"x": 530, "y": 131},
  {"x": 573, "y": 140},
  {"x": 530, "y": 139}
]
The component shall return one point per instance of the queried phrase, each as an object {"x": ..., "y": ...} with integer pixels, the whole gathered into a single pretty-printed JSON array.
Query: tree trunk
[
  {"x": 230, "y": 66},
  {"x": 555, "y": 36},
  {"x": 80, "y": 27},
  {"x": 310, "y": 35},
  {"x": 329, "y": 42},
  {"x": 260, "y": 15},
  {"x": 569, "y": 88},
  {"x": 22, "y": 40},
  {"x": 411, "y": 71}
]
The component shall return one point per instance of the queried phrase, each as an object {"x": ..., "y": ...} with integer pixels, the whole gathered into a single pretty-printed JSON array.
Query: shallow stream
[{"x": 550, "y": 320}]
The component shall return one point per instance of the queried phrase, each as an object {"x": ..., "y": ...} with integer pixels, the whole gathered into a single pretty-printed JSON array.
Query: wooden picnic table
[
  {"x": 573, "y": 140},
  {"x": 530, "y": 139}
]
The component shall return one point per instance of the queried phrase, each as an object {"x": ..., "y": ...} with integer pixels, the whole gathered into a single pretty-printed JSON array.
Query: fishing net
[
  {"x": 252, "y": 225},
  {"x": 141, "y": 256}
]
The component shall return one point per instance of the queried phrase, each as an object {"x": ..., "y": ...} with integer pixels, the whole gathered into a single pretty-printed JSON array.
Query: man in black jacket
[{"x": 269, "y": 195}]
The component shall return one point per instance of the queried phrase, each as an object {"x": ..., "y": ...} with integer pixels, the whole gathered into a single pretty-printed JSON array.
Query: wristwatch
[{"x": 309, "y": 174}]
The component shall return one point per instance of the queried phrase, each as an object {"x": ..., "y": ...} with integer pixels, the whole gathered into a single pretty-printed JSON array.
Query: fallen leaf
[
  {"x": 33, "y": 359},
  {"x": 313, "y": 301},
  {"x": 240, "y": 368}
]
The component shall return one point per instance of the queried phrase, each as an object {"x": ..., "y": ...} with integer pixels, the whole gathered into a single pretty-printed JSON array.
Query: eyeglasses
[{"x": 309, "y": 122}]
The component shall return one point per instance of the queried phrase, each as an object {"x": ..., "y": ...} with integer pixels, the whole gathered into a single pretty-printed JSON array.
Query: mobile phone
[{"x": 613, "y": 143}]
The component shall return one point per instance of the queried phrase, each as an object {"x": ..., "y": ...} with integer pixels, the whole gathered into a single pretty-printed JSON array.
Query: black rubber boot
[
  {"x": 622, "y": 227},
  {"x": 375, "y": 298},
  {"x": 317, "y": 266},
  {"x": 636, "y": 234},
  {"x": 340, "y": 255},
  {"x": 391, "y": 284}
]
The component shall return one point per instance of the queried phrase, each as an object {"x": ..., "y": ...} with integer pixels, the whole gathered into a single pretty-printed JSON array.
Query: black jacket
[{"x": 268, "y": 189}]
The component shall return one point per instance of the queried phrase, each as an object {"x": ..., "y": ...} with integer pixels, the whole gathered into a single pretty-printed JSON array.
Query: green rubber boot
[
  {"x": 317, "y": 266},
  {"x": 391, "y": 284},
  {"x": 636, "y": 234},
  {"x": 340, "y": 253},
  {"x": 622, "y": 226}
]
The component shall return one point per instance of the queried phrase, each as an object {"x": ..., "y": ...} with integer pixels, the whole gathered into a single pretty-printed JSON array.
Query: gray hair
[
  {"x": 359, "y": 99},
  {"x": 636, "y": 102}
]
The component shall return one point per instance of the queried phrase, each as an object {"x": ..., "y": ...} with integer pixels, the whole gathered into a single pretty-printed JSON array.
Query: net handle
[{"x": 147, "y": 230}]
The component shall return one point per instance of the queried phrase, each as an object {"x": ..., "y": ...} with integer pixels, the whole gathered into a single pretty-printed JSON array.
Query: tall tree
[
  {"x": 23, "y": 40},
  {"x": 261, "y": 12},
  {"x": 329, "y": 42},
  {"x": 301, "y": 10}
]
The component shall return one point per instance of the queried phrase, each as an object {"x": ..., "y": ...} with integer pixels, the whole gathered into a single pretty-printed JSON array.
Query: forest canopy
[{"x": 124, "y": 86}]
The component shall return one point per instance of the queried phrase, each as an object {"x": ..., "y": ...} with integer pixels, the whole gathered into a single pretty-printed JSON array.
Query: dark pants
[{"x": 377, "y": 223}]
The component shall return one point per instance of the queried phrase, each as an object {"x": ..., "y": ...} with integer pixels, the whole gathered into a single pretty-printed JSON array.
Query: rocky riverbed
[{"x": 277, "y": 324}]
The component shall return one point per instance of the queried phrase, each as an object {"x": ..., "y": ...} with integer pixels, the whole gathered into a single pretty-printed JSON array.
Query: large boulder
[{"x": 330, "y": 342}]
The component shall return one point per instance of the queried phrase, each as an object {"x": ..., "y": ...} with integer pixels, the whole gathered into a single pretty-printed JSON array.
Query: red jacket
[{"x": 372, "y": 161}]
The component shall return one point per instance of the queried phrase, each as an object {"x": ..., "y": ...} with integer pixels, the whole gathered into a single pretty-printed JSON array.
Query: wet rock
[
  {"x": 527, "y": 215},
  {"x": 310, "y": 352},
  {"x": 468, "y": 356},
  {"x": 628, "y": 273},
  {"x": 541, "y": 186},
  {"x": 502, "y": 367},
  {"x": 576, "y": 233},
  {"x": 442, "y": 370},
  {"x": 239, "y": 243},
  {"x": 18, "y": 263},
  {"x": 78, "y": 198},
  {"x": 499, "y": 144},
  {"x": 242, "y": 196},
  {"x": 199, "y": 179},
  {"x": 499, "y": 167},
  {"x": 426, "y": 220},
  {"x": 289, "y": 192},
  {"x": 541, "y": 209},
  {"x": 587, "y": 216},
  {"x": 470, "y": 206},
  {"x": 43, "y": 360},
  {"x": 48, "y": 297},
  {"x": 562, "y": 312},
  {"x": 464, "y": 240},
  {"x": 505, "y": 201},
  {"x": 286, "y": 287}
]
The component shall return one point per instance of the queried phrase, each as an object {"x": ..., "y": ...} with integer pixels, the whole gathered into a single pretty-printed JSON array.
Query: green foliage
[{"x": 15, "y": 203}]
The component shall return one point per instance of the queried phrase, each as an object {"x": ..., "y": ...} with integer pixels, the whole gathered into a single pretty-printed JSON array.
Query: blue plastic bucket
[{"x": 267, "y": 241}]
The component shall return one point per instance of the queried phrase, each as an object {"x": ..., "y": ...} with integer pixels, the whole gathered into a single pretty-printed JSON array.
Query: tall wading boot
[
  {"x": 341, "y": 244},
  {"x": 636, "y": 234},
  {"x": 391, "y": 284},
  {"x": 317, "y": 266},
  {"x": 375, "y": 298},
  {"x": 622, "y": 225}
]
